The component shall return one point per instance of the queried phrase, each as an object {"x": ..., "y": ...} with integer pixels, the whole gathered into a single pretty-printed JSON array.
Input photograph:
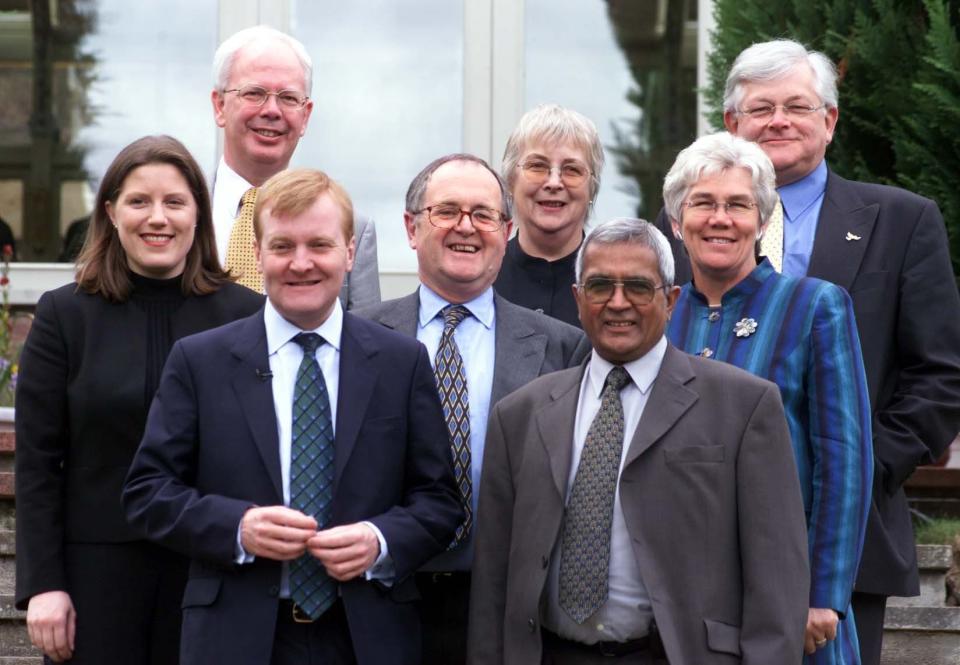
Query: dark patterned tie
[
  {"x": 585, "y": 545},
  {"x": 311, "y": 475},
  {"x": 452, "y": 384}
]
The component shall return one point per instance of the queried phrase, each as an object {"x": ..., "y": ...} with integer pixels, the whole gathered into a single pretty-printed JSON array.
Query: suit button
[
  {"x": 544, "y": 561},
  {"x": 274, "y": 591},
  {"x": 532, "y": 625}
]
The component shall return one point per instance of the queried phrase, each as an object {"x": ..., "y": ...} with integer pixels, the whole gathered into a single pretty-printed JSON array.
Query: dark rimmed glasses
[
  {"x": 640, "y": 292},
  {"x": 448, "y": 215}
]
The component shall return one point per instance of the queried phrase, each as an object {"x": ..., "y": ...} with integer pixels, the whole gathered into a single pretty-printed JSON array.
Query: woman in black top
[
  {"x": 148, "y": 274},
  {"x": 552, "y": 165}
]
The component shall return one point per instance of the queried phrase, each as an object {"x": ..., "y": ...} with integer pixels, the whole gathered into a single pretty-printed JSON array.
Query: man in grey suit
[
  {"x": 482, "y": 347},
  {"x": 643, "y": 507},
  {"x": 261, "y": 99}
]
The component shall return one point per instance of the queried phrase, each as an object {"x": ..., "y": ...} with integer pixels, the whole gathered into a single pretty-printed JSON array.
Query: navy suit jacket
[
  {"x": 211, "y": 451},
  {"x": 888, "y": 247}
]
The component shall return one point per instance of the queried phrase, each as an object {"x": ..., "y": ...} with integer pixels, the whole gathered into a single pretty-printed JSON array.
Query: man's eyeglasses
[
  {"x": 707, "y": 207},
  {"x": 537, "y": 172},
  {"x": 254, "y": 95},
  {"x": 448, "y": 215},
  {"x": 793, "y": 111},
  {"x": 599, "y": 290}
]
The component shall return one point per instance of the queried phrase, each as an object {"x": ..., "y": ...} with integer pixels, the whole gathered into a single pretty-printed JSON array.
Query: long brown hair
[{"x": 102, "y": 265}]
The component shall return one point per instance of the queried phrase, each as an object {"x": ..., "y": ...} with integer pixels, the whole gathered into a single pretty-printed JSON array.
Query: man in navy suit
[
  {"x": 888, "y": 248},
  {"x": 224, "y": 467}
]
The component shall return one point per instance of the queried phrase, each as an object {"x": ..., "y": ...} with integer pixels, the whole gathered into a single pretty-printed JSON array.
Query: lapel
[
  {"x": 255, "y": 394},
  {"x": 555, "y": 422},
  {"x": 519, "y": 350},
  {"x": 358, "y": 376},
  {"x": 836, "y": 255},
  {"x": 401, "y": 314},
  {"x": 669, "y": 399}
]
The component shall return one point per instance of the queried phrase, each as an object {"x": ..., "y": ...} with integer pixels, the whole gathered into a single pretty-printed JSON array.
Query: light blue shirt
[
  {"x": 285, "y": 356},
  {"x": 627, "y": 612},
  {"x": 802, "y": 201},
  {"x": 476, "y": 339}
]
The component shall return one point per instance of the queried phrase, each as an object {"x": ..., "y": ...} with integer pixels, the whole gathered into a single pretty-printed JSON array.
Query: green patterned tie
[
  {"x": 452, "y": 385},
  {"x": 585, "y": 544},
  {"x": 311, "y": 475}
]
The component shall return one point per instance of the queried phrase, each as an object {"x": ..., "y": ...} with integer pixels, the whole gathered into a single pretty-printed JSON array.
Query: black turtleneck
[
  {"x": 538, "y": 284},
  {"x": 159, "y": 299}
]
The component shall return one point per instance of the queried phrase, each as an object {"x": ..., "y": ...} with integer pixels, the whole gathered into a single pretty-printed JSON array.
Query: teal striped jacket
[{"x": 801, "y": 334}]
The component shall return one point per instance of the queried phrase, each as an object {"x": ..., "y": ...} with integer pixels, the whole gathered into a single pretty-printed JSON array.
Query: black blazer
[
  {"x": 80, "y": 417},
  {"x": 210, "y": 451},
  {"x": 888, "y": 248}
]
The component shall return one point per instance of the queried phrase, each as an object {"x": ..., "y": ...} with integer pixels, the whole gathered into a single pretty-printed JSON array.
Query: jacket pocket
[
  {"x": 689, "y": 454},
  {"x": 201, "y": 592},
  {"x": 722, "y": 637}
]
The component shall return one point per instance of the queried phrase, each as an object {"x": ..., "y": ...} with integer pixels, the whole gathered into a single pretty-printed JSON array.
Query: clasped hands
[{"x": 284, "y": 534}]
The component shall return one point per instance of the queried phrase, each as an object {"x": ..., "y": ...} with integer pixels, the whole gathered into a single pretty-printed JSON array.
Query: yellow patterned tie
[
  {"x": 240, "y": 257},
  {"x": 771, "y": 244}
]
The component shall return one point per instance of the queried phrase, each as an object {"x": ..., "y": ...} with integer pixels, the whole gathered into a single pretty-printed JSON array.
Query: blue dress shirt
[
  {"x": 475, "y": 337},
  {"x": 802, "y": 201}
]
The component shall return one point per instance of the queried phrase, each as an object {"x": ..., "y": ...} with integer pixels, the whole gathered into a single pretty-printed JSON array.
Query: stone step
[
  {"x": 921, "y": 635},
  {"x": 933, "y": 561},
  {"x": 15, "y": 645}
]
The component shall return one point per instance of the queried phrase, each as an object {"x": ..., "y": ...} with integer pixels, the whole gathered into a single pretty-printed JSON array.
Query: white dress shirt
[
  {"x": 476, "y": 339},
  {"x": 626, "y": 614},
  {"x": 285, "y": 356},
  {"x": 228, "y": 190}
]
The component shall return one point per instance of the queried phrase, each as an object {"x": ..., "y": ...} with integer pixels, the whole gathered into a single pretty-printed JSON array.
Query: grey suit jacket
[
  {"x": 361, "y": 286},
  {"x": 711, "y": 499},
  {"x": 527, "y": 344}
]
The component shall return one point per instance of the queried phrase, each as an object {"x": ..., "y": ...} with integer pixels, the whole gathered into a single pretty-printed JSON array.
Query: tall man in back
[
  {"x": 261, "y": 99},
  {"x": 482, "y": 347},
  {"x": 888, "y": 248},
  {"x": 299, "y": 458}
]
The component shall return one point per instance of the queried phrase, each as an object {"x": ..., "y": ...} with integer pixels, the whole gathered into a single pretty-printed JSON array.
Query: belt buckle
[{"x": 299, "y": 616}]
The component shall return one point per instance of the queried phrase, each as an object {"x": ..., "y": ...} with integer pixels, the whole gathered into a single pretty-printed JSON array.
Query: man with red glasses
[{"x": 482, "y": 347}]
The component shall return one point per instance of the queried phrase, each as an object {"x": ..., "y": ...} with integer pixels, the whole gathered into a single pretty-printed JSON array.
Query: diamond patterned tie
[
  {"x": 452, "y": 385},
  {"x": 240, "y": 257},
  {"x": 771, "y": 243},
  {"x": 585, "y": 544},
  {"x": 311, "y": 474}
]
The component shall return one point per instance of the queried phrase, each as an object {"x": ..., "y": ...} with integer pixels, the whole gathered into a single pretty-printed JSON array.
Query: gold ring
[{"x": 820, "y": 642}]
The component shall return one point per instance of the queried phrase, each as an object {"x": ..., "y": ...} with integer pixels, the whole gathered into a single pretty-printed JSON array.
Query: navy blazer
[
  {"x": 888, "y": 247},
  {"x": 211, "y": 451}
]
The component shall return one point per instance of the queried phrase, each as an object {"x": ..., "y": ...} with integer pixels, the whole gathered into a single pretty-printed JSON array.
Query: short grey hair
[
  {"x": 710, "y": 156},
  {"x": 232, "y": 45},
  {"x": 554, "y": 124},
  {"x": 770, "y": 61},
  {"x": 417, "y": 190},
  {"x": 634, "y": 231}
]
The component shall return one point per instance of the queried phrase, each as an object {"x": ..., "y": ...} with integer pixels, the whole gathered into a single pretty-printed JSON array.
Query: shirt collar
[
  {"x": 643, "y": 371},
  {"x": 799, "y": 195},
  {"x": 230, "y": 188},
  {"x": 280, "y": 331},
  {"x": 745, "y": 287},
  {"x": 480, "y": 307}
]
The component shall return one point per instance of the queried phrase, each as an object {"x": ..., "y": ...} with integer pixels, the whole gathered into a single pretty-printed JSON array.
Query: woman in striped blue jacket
[{"x": 798, "y": 333}]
